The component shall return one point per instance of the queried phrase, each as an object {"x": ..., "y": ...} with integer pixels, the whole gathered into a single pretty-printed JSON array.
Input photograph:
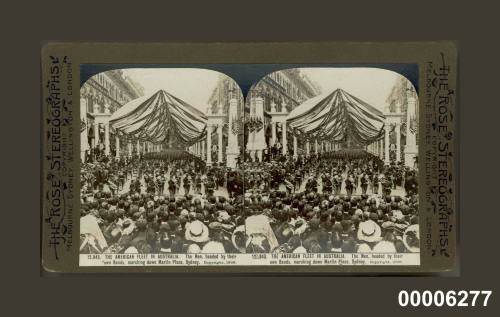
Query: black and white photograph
[
  {"x": 160, "y": 161},
  {"x": 330, "y": 162},
  {"x": 313, "y": 160}
]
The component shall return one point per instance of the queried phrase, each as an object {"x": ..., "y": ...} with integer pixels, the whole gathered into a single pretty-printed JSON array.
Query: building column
[
  {"x": 209, "y": 145},
  {"x": 386, "y": 145},
  {"x": 129, "y": 148},
  {"x": 202, "y": 154},
  {"x": 96, "y": 134},
  {"x": 117, "y": 146},
  {"x": 295, "y": 147},
  {"x": 106, "y": 139},
  {"x": 308, "y": 148},
  {"x": 284, "y": 141},
  {"x": 398, "y": 142},
  {"x": 138, "y": 147},
  {"x": 273, "y": 133},
  {"x": 316, "y": 147},
  {"x": 219, "y": 130}
]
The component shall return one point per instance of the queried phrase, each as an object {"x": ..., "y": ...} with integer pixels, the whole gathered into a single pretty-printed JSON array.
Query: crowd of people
[{"x": 164, "y": 203}]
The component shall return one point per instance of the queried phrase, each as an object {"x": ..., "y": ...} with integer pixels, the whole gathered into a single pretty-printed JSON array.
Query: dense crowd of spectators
[{"x": 172, "y": 204}]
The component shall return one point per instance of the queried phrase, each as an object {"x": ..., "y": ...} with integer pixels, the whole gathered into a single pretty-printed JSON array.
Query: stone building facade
[
  {"x": 100, "y": 96},
  {"x": 269, "y": 101}
]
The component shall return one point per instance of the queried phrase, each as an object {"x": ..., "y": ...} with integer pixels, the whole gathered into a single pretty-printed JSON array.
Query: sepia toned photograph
[
  {"x": 331, "y": 162},
  {"x": 314, "y": 160},
  {"x": 160, "y": 161}
]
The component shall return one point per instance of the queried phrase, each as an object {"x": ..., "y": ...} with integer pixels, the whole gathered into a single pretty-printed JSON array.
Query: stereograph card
[{"x": 332, "y": 157}]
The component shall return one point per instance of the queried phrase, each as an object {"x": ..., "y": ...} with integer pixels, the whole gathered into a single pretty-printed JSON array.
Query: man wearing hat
[
  {"x": 197, "y": 231},
  {"x": 369, "y": 231}
]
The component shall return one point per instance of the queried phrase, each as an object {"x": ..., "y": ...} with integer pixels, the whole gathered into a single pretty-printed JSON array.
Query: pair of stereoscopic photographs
[{"x": 181, "y": 166}]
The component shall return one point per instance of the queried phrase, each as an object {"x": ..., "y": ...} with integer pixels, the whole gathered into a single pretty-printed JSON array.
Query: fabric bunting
[
  {"x": 236, "y": 127},
  {"x": 160, "y": 117},
  {"x": 254, "y": 123},
  {"x": 337, "y": 115}
]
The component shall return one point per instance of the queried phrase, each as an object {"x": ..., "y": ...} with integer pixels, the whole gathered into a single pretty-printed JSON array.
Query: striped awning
[
  {"x": 336, "y": 115},
  {"x": 160, "y": 117}
]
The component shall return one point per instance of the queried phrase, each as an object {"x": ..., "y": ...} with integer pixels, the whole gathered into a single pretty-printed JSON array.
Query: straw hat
[
  {"x": 385, "y": 247},
  {"x": 411, "y": 238},
  {"x": 369, "y": 231},
  {"x": 193, "y": 248},
  {"x": 131, "y": 250},
  {"x": 398, "y": 215},
  {"x": 213, "y": 247},
  {"x": 184, "y": 213},
  {"x": 300, "y": 249},
  {"x": 223, "y": 216},
  {"x": 364, "y": 248},
  {"x": 196, "y": 231}
]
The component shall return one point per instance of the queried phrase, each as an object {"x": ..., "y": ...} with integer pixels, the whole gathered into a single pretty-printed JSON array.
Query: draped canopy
[
  {"x": 160, "y": 117},
  {"x": 336, "y": 115}
]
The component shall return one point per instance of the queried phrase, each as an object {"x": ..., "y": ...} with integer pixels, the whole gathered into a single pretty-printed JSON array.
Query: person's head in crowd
[{"x": 311, "y": 221}]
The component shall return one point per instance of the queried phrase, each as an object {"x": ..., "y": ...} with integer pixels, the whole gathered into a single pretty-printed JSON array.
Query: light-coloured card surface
[{"x": 282, "y": 157}]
